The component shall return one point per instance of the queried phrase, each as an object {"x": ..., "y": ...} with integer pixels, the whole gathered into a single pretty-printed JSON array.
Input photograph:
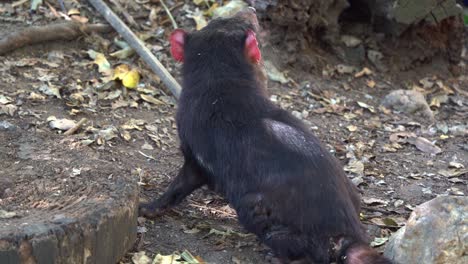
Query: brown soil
[{"x": 39, "y": 166}]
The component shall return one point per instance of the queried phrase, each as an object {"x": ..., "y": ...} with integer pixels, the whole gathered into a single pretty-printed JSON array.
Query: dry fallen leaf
[
  {"x": 131, "y": 79},
  {"x": 453, "y": 172},
  {"x": 167, "y": 259},
  {"x": 352, "y": 128},
  {"x": 151, "y": 99},
  {"x": 5, "y": 214},
  {"x": 190, "y": 259},
  {"x": 50, "y": 89},
  {"x": 101, "y": 61},
  {"x": 123, "y": 53},
  {"x": 274, "y": 74},
  {"x": 389, "y": 222},
  {"x": 401, "y": 137},
  {"x": 120, "y": 71},
  {"x": 119, "y": 104},
  {"x": 355, "y": 166},
  {"x": 36, "y": 97},
  {"x": 141, "y": 258},
  {"x": 199, "y": 18},
  {"x": 419, "y": 142},
  {"x": 370, "y": 83},
  {"x": 456, "y": 165},
  {"x": 424, "y": 145},
  {"x": 75, "y": 14},
  {"x": 113, "y": 95},
  {"x": 366, "y": 71},
  {"x": 126, "y": 135},
  {"x": 444, "y": 87},
  {"x": 60, "y": 124},
  {"x": 378, "y": 241},
  {"x": 198, "y": 2},
  {"x": 391, "y": 147},
  {"x": 106, "y": 134},
  {"x": 5, "y": 99},
  {"x": 366, "y": 106},
  {"x": 374, "y": 201},
  {"x": 229, "y": 9},
  {"x": 438, "y": 99},
  {"x": 8, "y": 109},
  {"x": 134, "y": 124},
  {"x": 344, "y": 69},
  {"x": 147, "y": 146}
]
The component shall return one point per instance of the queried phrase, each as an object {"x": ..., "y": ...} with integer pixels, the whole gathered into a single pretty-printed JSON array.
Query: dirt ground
[{"x": 128, "y": 135}]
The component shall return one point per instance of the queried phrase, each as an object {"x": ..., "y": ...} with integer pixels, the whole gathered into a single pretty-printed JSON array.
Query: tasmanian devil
[{"x": 284, "y": 185}]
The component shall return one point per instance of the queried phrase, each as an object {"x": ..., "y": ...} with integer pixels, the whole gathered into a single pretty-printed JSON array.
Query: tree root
[{"x": 39, "y": 34}]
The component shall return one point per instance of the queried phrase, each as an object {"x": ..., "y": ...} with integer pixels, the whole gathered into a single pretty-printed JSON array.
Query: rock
[
  {"x": 5, "y": 185},
  {"x": 376, "y": 58},
  {"x": 433, "y": 11},
  {"x": 229, "y": 9},
  {"x": 345, "y": 69},
  {"x": 7, "y": 126},
  {"x": 309, "y": 15},
  {"x": 61, "y": 124},
  {"x": 274, "y": 74},
  {"x": 408, "y": 101},
  {"x": 297, "y": 114},
  {"x": 355, "y": 55},
  {"x": 350, "y": 41},
  {"x": 396, "y": 16},
  {"x": 436, "y": 233},
  {"x": 93, "y": 219}
]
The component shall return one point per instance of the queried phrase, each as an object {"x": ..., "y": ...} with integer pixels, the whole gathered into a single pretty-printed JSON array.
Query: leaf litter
[{"x": 89, "y": 99}]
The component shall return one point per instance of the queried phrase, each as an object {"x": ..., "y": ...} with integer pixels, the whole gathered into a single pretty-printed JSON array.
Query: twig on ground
[
  {"x": 138, "y": 46},
  {"x": 76, "y": 127},
  {"x": 19, "y": 3},
  {"x": 147, "y": 156},
  {"x": 174, "y": 24},
  {"x": 212, "y": 209},
  {"x": 127, "y": 16},
  {"x": 367, "y": 208},
  {"x": 35, "y": 35}
]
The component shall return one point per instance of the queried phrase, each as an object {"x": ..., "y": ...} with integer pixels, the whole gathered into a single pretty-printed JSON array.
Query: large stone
[
  {"x": 409, "y": 102},
  {"x": 433, "y": 11},
  {"x": 63, "y": 204},
  {"x": 436, "y": 233},
  {"x": 308, "y": 15},
  {"x": 395, "y": 16}
]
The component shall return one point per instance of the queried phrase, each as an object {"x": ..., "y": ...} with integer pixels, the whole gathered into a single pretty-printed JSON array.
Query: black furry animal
[{"x": 284, "y": 185}]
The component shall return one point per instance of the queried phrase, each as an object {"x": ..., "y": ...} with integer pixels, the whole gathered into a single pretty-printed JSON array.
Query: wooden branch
[
  {"x": 168, "y": 12},
  {"x": 138, "y": 46},
  {"x": 76, "y": 127},
  {"x": 124, "y": 12},
  {"x": 39, "y": 34}
]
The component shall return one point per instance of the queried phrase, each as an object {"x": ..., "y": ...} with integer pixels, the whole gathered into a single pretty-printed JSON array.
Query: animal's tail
[{"x": 349, "y": 251}]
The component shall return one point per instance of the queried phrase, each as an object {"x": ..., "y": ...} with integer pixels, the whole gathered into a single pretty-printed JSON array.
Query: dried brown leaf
[{"x": 424, "y": 145}]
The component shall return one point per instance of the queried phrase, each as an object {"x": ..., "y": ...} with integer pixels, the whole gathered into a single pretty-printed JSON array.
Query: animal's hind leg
[
  {"x": 288, "y": 245},
  {"x": 292, "y": 246}
]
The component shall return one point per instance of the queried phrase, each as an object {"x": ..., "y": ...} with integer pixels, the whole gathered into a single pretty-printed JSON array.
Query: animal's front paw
[{"x": 150, "y": 210}]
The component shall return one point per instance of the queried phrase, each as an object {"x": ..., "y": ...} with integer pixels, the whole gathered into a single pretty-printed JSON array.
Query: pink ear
[
  {"x": 251, "y": 47},
  {"x": 177, "y": 44}
]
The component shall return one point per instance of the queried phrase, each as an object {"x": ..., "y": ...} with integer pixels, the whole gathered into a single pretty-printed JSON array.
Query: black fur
[{"x": 284, "y": 185}]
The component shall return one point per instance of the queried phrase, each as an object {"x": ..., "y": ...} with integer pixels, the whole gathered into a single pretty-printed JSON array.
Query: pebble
[{"x": 7, "y": 126}]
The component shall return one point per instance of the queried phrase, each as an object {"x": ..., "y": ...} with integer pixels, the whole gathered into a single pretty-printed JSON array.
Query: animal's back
[{"x": 270, "y": 156}]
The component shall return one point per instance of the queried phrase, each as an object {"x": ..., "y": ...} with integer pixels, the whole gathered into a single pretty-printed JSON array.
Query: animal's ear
[
  {"x": 251, "y": 47},
  {"x": 177, "y": 40}
]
